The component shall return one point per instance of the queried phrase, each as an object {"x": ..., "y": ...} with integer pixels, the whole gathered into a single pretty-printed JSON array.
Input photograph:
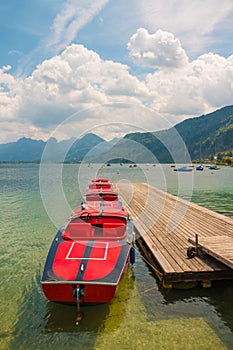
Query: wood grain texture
[{"x": 166, "y": 223}]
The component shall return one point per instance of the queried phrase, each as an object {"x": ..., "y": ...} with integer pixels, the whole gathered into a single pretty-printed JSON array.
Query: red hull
[
  {"x": 93, "y": 293},
  {"x": 89, "y": 255},
  {"x": 63, "y": 293}
]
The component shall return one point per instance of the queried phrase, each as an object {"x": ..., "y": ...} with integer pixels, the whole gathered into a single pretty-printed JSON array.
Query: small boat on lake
[
  {"x": 89, "y": 254},
  {"x": 100, "y": 186},
  {"x": 104, "y": 194},
  {"x": 101, "y": 189},
  {"x": 100, "y": 179},
  {"x": 213, "y": 167},
  {"x": 199, "y": 168},
  {"x": 183, "y": 168}
]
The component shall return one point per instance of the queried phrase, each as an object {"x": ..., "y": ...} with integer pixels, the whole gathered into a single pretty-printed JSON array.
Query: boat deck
[{"x": 165, "y": 224}]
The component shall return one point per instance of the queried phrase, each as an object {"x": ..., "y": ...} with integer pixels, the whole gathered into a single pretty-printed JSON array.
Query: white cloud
[
  {"x": 192, "y": 21},
  {"x": 156, "y": 50},
  {"x": 10, "y": 92},
  {"x": 73, "y": 16},
  {"x": 201, "y": 86},
  {"x": 78, "y": 91},
  {"x": 76, "y": 80}
]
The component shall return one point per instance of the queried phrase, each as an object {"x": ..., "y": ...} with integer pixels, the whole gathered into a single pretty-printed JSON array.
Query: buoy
[{"x": 132, "y": 255}]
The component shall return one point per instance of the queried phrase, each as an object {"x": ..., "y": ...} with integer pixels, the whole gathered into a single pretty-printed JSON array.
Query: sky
[{"x": 68, "y": 67}]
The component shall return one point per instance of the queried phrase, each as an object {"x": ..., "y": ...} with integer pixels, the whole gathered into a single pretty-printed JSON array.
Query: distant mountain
[
  {"x": 208, "y": 134},
  {"x": 132, "y": 148},
  {"x": 202, "y": 136},
  {"x": 28, "y": 150},
  {"x": 25, "y": 149},
  {"x": 81, "y": 147}
]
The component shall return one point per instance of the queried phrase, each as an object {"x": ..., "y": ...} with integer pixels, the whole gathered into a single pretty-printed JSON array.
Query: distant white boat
[{"x": 183, "y": 168}]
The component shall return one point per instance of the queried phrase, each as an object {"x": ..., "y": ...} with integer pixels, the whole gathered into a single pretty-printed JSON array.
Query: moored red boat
[
  {"x": 101, "y": 189},
  {"x": 89, "y": 254},
  {"x": 101, "y": 179},
  {"x": 100, "y": 186},
  {"x": 106, "y": 194}
]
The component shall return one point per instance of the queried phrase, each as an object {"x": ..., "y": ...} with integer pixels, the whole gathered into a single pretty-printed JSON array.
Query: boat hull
[
  {"x": 64, "y": 293},
  {"x": 95, "y": 266},
  {"x": 184, "y": 169},
  {"x": 89, "y": 255}
]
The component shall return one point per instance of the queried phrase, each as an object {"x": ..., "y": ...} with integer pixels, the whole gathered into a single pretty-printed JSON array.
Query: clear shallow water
[{"x": 142, "y": 315}]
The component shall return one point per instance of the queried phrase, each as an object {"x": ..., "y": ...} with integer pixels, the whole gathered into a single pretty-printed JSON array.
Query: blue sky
[{"x": 69, "y": 67}]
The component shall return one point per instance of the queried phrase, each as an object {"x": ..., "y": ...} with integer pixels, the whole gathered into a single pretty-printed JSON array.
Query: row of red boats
[{"x": 91, "y": 251}]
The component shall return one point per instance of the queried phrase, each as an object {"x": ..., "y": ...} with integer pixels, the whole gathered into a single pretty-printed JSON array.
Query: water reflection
[
  {"x": 30, "y": 322},
  {"x": 61, "y": 318},
  {"x": 212, "y": 304}
]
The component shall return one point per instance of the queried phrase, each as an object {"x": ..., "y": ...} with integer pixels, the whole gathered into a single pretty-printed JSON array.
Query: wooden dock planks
[
  {"x": 220, "y": 247},
  {"x": 165, "y": 224}
]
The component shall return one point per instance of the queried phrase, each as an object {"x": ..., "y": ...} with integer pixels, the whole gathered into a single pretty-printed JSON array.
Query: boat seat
[
  {"x": 93, "y": 197},
  {"x": 113, "y": 229},
  {"x": 78, "y": 230},
  {"x": 108, "y": 197},
  {"x": 106, "y": 186}
]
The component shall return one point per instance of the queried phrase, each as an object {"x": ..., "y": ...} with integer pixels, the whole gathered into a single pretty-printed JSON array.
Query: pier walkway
[{"x": 166, "y": 225}]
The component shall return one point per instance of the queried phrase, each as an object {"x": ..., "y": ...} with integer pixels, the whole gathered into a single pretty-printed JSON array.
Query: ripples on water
[{"x": 142, "y": 314}]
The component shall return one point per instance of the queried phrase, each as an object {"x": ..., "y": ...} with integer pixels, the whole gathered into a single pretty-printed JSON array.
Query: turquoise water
[{"x": 34, "y": 202}]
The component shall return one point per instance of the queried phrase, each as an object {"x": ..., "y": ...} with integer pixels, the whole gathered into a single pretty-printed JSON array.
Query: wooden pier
[{"x": 165, "y": 226}]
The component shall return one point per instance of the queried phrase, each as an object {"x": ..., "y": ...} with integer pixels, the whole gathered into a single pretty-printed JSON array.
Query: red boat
[
  {"x": 101, "y": 189},
  {"x": 105, "y": 194},
  {"x": 89, "y": 255},
  {"x": 100, "y": 186},
  {"x": 101, "y": 179}
]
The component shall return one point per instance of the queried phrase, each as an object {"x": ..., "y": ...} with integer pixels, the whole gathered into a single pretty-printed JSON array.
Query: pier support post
[
  {"x": 167, "y": 285},
  {"x": 206, "y": 283}
]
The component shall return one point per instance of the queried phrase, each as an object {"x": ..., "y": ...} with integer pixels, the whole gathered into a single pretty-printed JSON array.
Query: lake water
[{"x": 35, "y": 201}]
